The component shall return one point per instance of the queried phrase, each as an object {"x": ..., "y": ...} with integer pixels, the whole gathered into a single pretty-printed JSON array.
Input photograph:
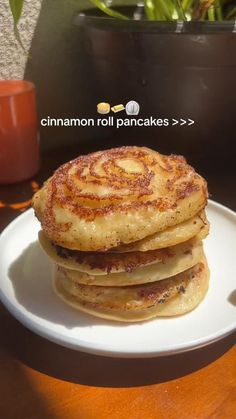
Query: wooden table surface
[{"x": 41, "y": 380}]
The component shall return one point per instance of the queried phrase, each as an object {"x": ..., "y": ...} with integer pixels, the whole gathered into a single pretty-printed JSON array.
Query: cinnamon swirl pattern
[
  {"x": 124, "y": 218},
  {"x": 116, "y": 197}
]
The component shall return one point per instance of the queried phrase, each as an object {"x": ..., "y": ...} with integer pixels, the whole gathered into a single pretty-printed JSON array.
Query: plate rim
[{"x": 100, "y": 349}]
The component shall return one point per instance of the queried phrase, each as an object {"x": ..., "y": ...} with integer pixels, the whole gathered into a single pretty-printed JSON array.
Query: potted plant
[{"x": 177, "y": 59}]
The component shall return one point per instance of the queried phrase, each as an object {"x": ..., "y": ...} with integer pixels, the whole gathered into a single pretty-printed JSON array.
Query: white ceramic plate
[{"x": 26, "y": 290}]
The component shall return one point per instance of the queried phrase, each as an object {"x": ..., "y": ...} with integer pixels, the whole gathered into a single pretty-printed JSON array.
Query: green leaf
[
  {"x": 150, "y": 9},
  {"x": 16, "y": 7},
  {"x": 110, "y": 12},
  {"x": 165, "y": 7},
  {"x": 187, "y": 4},
  {"x": 231, "y": 14},
  {"x": 18, "y": 38},
  {"x": 211, "y": 13}
]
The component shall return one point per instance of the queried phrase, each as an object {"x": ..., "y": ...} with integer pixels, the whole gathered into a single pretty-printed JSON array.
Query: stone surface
[
  {"x": 49, "y": 38},
  {"x": 12, "y": 57}
]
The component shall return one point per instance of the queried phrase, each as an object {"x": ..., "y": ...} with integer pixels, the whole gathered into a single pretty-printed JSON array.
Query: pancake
[
  {"x": 170, "y": 297},
  {"x": 171, "y": 236},
  {"x": 117, "y": 196},
  {"x": 177, "y": 261},
  {"x": 103, "y": 263}
]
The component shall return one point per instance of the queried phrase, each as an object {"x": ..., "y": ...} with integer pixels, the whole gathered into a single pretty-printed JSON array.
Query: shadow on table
[
  {"x": 77, "y": 367},
  {"x": 20, "y": 399},
  {"x": 38, "y": 298}
]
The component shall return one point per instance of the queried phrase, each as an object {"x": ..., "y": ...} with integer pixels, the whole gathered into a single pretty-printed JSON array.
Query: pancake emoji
[{"x": 103, "y": 108}]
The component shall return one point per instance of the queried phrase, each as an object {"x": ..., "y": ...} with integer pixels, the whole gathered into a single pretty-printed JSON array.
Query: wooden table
[{"x": 41, "y": 380}]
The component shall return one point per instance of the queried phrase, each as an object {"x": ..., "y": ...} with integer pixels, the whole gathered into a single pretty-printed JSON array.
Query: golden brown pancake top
[{"x": 115, "y": 196}]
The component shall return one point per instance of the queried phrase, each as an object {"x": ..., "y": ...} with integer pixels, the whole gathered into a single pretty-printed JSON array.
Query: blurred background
[
  {"x": 49, "y": 37},
  {"x": 60, "y": 63}
]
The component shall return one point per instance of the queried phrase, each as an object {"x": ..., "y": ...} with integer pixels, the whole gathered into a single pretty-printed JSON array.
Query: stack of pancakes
[{"x": 124, "y": 228}]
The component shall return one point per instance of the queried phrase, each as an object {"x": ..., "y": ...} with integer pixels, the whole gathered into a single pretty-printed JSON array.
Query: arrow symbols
[
  {"x": 191, "y": 122},
  {"x": 182, "y": 122}
]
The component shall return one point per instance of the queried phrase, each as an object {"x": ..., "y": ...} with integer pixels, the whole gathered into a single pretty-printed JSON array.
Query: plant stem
[
  {"x": 158, "y": 13},
  {"x": 180, "y": 10},
  {"x": 172, "y": 9},
  {"x": 150, "y": 10},
  {"x": 16, "y": 7},
  {"x": 165, "y": 8},
  {"x": 211, "y": 14},
  {"x": 218, "y": 10},
  {"x": 186, "y": 4},
  {"x": 110, "y": 12},
  {"x": 203, "y": 16},
  {"x": 231, "y": 13}
]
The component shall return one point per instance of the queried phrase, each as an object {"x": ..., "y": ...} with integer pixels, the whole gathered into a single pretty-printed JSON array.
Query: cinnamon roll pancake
[
  {"x": 174, "y": 262},
  {"x": 118, "y": 196},
  {"x": 169, "y": 297},
  {"x": 197, "y": 226},
  {"x": 101, "y": 264},
  {"x": 124, "y": 229}
]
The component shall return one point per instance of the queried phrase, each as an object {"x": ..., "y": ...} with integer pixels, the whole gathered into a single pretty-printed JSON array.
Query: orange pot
[{"x": 19, "y": 138}]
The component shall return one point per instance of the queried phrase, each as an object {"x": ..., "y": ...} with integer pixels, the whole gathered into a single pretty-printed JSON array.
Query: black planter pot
[{"x": 174, "y": 70}]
